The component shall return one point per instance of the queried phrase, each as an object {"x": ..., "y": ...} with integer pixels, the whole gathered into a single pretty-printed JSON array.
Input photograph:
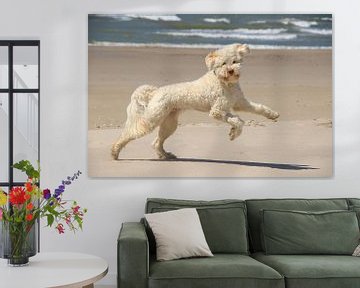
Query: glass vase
[{"x": 18, "y": 242}]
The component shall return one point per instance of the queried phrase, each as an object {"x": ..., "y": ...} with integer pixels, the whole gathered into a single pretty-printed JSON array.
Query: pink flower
[
  {"x": 60, "y": 228},
  {"x": 1, "y": 212},
  {"x": 76, "y": 210},
  {"x": 68, "y": 219}
]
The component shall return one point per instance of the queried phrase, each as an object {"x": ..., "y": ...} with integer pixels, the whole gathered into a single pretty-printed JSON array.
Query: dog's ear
[
  {"x": 210, "y": 60},
  {"x": 243, "y": 49}
]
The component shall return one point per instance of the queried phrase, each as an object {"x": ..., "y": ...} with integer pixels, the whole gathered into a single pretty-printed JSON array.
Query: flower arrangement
[{"x": 22, "y": 206}]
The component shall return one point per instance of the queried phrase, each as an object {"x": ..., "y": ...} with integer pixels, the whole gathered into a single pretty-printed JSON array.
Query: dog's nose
[{"x": 231, "y": 72}]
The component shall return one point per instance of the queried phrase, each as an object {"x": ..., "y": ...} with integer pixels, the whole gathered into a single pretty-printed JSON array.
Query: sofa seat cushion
[
  {"x": 313, "y": 271},
  {"x": 222, "y": 270}
]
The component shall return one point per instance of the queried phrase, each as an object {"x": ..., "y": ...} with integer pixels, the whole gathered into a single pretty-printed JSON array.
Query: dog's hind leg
[
  {"x": 131, "y": 132},
  {"x": 166, "y": 129},
  {"x": 136, "y": 124}
]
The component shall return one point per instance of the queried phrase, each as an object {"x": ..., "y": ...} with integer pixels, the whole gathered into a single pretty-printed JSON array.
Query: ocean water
[{"x": 270, "y": 31}]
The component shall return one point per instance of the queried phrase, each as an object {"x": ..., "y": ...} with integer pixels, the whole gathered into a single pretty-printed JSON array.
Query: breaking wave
[
  {"x": 215, "y": 20},
  {"x": 156, "y": 17},
  {"x": 317, "y": 31},
  {"x": 242, "y": 33},
  {"x": 298, "y": 23},
  {"x": 198, "y": 46}
]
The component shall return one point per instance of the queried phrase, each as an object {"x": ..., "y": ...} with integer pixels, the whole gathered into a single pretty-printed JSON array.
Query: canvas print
[{"x": 190, "y": 95}]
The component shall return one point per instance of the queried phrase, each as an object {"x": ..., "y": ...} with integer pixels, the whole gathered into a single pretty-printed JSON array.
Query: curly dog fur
[{"x": 217, "y": 92}]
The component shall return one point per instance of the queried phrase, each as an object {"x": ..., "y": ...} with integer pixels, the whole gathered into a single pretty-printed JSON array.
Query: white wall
[{"x": 62, "y": 28}]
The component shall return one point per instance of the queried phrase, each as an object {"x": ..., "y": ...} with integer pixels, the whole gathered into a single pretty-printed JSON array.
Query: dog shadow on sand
[{"x": 281, "y": 166}]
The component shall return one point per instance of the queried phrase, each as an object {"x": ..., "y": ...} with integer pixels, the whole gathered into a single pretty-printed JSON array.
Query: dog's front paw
[
  {"x": 273, "y": 115},
  {"x": 234, "y": 133}
]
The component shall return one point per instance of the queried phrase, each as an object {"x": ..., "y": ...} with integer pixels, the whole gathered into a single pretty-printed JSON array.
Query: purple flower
[
  {"x": 68, "y": 181},
  {"x": 46, "y": 194},
  {"x": 58, "y": 192}
]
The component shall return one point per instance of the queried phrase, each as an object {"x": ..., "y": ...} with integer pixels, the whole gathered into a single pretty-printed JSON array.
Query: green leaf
[
  {"x": 50, "y": 219},
  {"x": 79, "y": 221},
  {"x": 26, "y": 167},
  {"x": 52, "y": 211}
]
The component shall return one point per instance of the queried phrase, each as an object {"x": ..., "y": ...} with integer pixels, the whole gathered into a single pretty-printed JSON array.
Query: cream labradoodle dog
[{"x": 217, "y": 92}]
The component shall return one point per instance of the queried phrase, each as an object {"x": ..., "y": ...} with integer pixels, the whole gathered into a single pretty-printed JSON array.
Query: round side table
[{"x": 50, "y": 270}]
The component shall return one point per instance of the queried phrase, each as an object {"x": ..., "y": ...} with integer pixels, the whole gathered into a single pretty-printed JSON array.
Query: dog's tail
[{"x": 139, "y": 101}]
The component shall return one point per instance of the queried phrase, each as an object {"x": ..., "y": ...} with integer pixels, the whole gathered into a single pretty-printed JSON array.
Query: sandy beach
[{"x": 296, "y": 83}]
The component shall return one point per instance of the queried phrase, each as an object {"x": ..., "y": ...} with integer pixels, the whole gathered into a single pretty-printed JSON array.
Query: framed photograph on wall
[{"x": 210, "y": 95}]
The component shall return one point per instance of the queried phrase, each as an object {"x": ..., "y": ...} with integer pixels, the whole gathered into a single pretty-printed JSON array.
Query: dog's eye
[
  {"x": 224, "y": 64},
  {"x": 234, "y": 62}
]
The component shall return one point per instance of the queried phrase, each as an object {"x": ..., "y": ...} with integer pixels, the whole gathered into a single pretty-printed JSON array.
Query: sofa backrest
[
  {"x": 223, "y": 221},
  {"x": 256, "y": 205},
  {"x": 353, "y": 202}
]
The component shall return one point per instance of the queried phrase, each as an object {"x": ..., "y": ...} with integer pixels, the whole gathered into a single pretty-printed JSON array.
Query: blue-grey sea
[{"x": 263, "y": 31}]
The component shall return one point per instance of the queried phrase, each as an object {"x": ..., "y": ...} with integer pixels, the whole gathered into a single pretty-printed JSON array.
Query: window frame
[{"x": 10, "y": 91}]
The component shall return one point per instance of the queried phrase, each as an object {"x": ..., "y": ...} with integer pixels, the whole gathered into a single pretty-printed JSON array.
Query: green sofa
[{"x": 234, "y": 230}]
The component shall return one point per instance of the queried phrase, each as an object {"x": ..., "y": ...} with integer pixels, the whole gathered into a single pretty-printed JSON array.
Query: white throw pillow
[
  {"x": 357, "y": 251},
  {"x": 178, "y": 234}
]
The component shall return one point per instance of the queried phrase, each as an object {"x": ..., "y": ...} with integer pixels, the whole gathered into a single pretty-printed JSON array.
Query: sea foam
[
  {"x": 241, "y": 33},
  {"x": 120, "y": 17},
  {"x": 156, "y": 17},
  {"x": 215, "y": 20},
  {"x": 298, "y": 23},
  {"x": 317, "y": 31},
  {"x": 203, "y": 46}
]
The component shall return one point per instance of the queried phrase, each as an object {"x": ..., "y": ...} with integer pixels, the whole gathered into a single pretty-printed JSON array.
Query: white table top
[{"x": 68, "y": 270}]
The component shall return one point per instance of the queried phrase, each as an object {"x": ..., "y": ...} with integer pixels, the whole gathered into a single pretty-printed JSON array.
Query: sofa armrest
[{"x": 133, "y": 256}]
